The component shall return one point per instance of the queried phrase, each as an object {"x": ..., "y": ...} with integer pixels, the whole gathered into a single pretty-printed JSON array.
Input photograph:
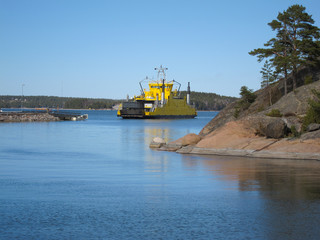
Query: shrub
[
  {"x": 313, "y": 112},
  {"x": 236, "y": 112},
  {"x": 247, "y": 95},
  {"x": 274, "y": 113},
  {"x": 308, "y": 79},
  {"x": 294, "y": 131},
  {"x": 260, "y": 108}
]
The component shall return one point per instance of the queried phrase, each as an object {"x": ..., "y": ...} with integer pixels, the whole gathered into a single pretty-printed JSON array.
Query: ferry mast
[{"x": 162, "y": 73}]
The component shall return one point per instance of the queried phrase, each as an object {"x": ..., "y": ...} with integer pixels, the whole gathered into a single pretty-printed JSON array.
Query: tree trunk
[
  {"x": 270, "y": 100},
  {"x": 285, "y": 81},
  {"x": 294, "y": 78}
]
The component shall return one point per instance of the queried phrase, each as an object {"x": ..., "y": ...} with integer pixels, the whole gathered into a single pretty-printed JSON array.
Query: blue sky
[{"x": 102, "y": 49}]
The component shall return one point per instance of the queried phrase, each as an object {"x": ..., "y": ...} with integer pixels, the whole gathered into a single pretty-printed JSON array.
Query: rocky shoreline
[
  {"x": 27, "y": 117},
  {"x": 255, "y": 133},
  {"x": 295, "y": 149},
  {"x": 308, "y": 149}
]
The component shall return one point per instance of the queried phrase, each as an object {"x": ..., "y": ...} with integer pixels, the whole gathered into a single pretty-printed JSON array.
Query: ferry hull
[
  {"x": 157, "y": 116},
  {"x": 170, "y": 116},
  {"x": 175, "y": 108}
]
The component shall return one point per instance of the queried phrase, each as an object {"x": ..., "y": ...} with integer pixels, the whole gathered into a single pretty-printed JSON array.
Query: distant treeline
[
  {"x": 208, "y": 101},
  {"x": 54, "y": 102},
  {"x": 202, "y": 101}
]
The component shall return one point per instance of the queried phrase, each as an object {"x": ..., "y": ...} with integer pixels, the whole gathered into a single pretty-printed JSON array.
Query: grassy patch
[{"x": 274, "y": 113}]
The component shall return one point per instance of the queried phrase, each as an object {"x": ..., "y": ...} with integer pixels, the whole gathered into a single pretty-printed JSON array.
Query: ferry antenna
[{"x": 161, "y": 72}]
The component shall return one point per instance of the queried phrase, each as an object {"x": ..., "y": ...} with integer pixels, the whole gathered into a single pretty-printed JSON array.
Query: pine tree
[
  {"x": 268, "y": 77},
  {"x": 296, "y": 42},
  {"x": 300, "y": 36}
]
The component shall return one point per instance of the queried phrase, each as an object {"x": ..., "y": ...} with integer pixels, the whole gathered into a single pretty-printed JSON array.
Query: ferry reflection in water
[{"x": 158, "y": 162}]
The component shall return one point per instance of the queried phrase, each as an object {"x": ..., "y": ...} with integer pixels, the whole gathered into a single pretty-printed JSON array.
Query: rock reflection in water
[{"x": 281, "y": 179}]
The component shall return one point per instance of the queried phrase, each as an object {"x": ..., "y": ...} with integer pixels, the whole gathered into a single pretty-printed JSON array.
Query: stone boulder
[
  {"x": 157, "y": 142},
  {"x": 292, "y": 121},
  {"x": 189, "y": 139},
  {"x": 311, "y": 135},
  {"x": 295, "y": 101},
  {"x": 276, "y": 129},
  {"x": 171, "y": 147},
  {"x": 313, "y": 127},
  {"x": 186, "y": 149},
  {"x": 259, "y": 123},
  {"x": 224, "y": 116},
  {"x": 272, "y": 127}
]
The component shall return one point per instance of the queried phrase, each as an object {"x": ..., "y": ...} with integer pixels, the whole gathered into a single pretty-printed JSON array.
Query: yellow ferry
[{"x": 160, "y": 101}]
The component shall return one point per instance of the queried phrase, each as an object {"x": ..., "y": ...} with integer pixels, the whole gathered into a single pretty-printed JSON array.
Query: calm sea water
[{"x": 98, "y": 179}]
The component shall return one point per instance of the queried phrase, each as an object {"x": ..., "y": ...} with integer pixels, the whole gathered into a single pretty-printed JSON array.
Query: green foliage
[
  {"x": 268, "y": 74},
  {"x": 313, "y": 112},
  {"x": 268, "y": 77},
  {"x": 247, "y": 97},
  {"x": 296, "y": 42},
  {"x": 100, "y": 105},
  {"x": 308, "y": 79},
  {"x": 294, "y": 131},
  {"x": 274, "y": 113},
  {"x": 77, "y": 103},
  {"x": 236, "y": 112},
  {"x": 208, "y": 101}
]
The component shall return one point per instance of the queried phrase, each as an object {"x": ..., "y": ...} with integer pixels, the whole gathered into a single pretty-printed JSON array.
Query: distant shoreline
[{"x": 69, "y": 109}]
